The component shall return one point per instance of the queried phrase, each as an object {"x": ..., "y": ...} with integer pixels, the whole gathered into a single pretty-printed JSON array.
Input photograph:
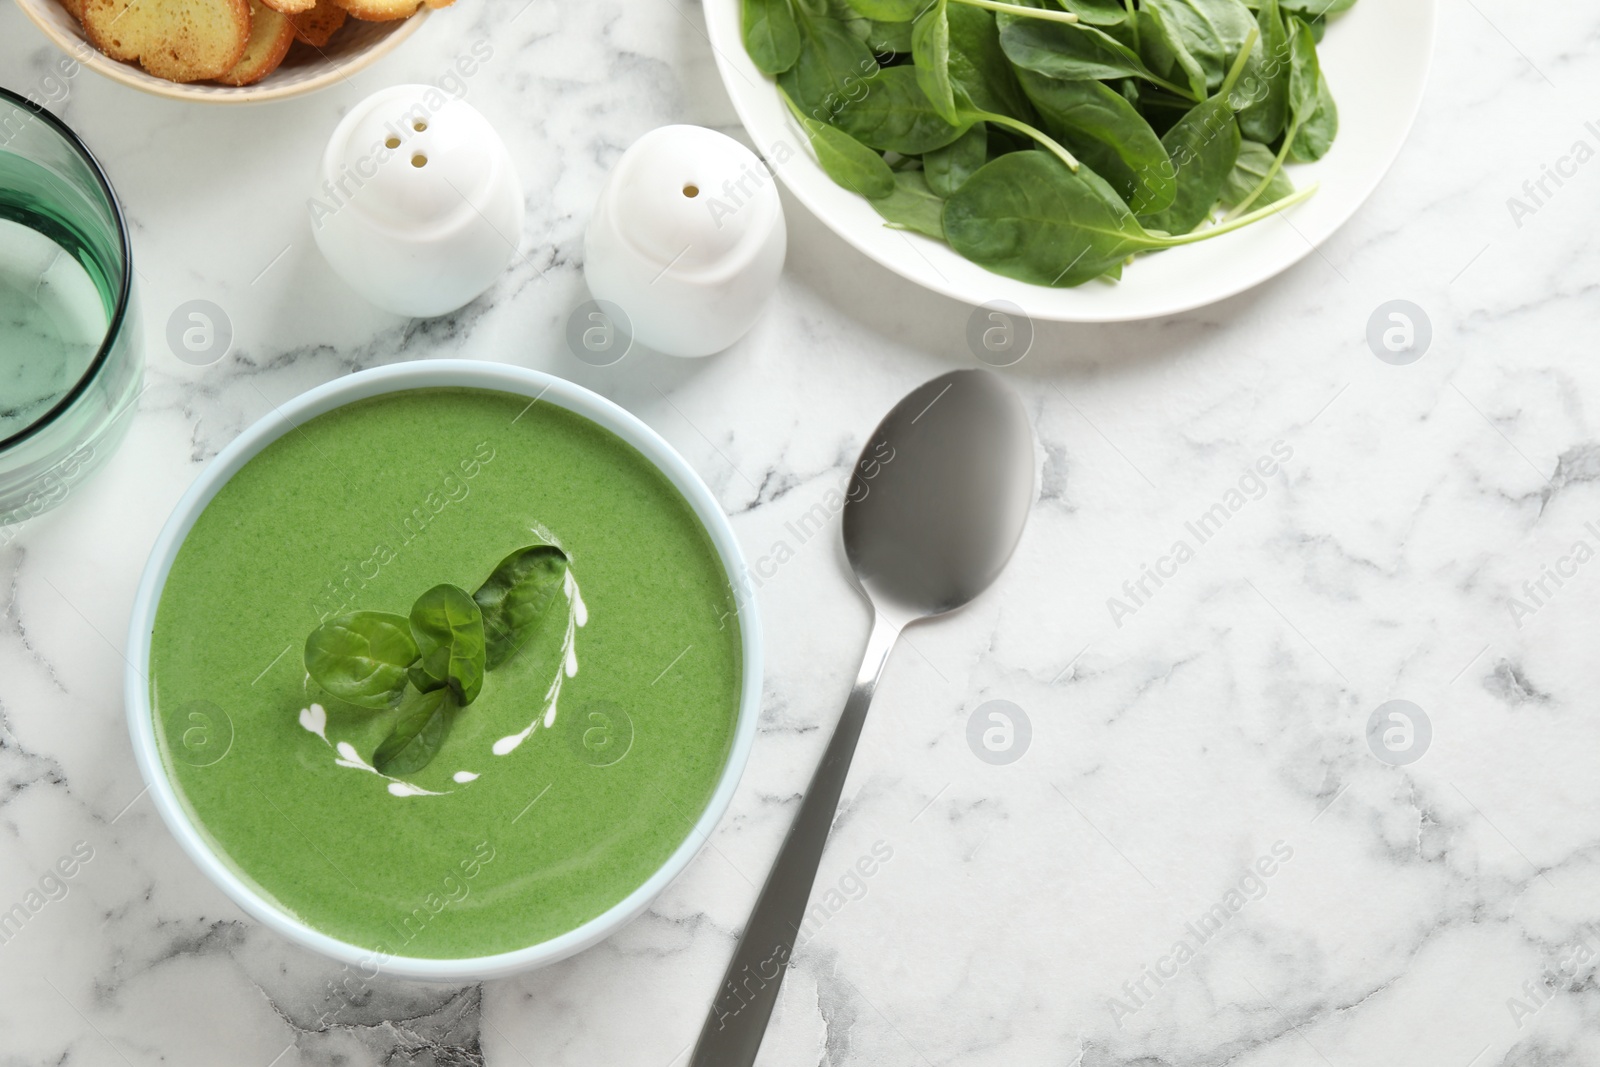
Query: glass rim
[{"x": 124, "y": 295}]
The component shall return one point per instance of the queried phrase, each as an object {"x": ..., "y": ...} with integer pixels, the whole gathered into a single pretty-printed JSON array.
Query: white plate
[{"x": 1376, "y": 57}]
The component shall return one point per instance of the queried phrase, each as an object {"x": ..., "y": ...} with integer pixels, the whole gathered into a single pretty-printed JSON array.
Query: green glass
[{"x": 71, "y": 365}]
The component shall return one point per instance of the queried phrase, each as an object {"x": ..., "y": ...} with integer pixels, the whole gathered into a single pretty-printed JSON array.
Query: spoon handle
[{"x": 738, "y": 1018}]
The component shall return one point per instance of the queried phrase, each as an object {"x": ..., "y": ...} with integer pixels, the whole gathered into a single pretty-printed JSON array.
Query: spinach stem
[
  {"x": 1238, "y": 64},
  {"x": 1272, "y": 172},
  {"x": 1171, "y": 87},
  {"x": 1023, "y": 128},
  {"x": 1023, "y": 12},
  {"x": 1240, "y": 223},
  {"x": 1133, "y": 26}
]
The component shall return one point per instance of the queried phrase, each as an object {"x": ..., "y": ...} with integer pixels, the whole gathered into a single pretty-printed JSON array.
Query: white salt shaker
[
  {"x": 417, "y": 205},
  {"x": 687, "y": 239}
]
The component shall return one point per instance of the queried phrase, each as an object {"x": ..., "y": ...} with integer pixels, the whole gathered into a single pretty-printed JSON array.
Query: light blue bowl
[{"x": 424, "y": 375}]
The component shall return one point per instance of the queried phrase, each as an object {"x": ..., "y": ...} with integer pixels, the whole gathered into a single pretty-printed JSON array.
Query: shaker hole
[
  {"x": 419, "y": 160},
  {"x": 393, "y": 142},
  {"x": 691, "y": 191},
  {"x": 419, "y": 126}
]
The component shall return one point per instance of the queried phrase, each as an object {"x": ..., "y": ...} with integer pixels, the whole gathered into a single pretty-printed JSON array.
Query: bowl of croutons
[{"x": 228, "y": 51}]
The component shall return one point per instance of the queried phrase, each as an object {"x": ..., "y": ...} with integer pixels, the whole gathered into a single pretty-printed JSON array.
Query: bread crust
[
  {"x": 179, "y": 40},
  {"x": 271, "y": 34},
  {"x": 291, "y": 7},
  {"x": 387, "y": 10},
  {"x": 317, "y": 26}
]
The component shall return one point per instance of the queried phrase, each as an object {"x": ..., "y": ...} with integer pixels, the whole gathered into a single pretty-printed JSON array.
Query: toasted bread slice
[
  {"x": 387, "y": 10},
  {"x": 180, "y": 40},
  {"x": 316, "y": 26},
  {"x": 291, "y": 7},
  {"x": 380, "y": 10},
  {"x": 271, "y": 34}
]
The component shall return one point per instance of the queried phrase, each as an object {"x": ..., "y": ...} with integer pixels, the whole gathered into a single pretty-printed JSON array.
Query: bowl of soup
[{"x": 593, "y": 762}]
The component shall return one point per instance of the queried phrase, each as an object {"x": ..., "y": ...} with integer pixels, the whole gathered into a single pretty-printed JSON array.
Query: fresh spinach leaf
[
  {"x": 771, "y": 35},
  {"x": 1317, "y": 8},
  {"x": 1098, "y": 12},
  {"x": 424, "y": 723},
  {"x": 1163, "y": 49},
  {"x": 913, "y": 205},
  {"x": 889, "y": 10},
  {"x": 947, "y": 168},
  {"x": 1317, "y": 132},
  {"x": 887, "y": 38},
  {"x": 1305, "y": 70},
  {"x": 1305, "y": 77},
  {"x": 516, "y": 597},
  {"x": 1256, "y": 166},
  {"x": 1134, "y": 160},
  {"x": 893, "y": 114},
  {"x": 843, "y": 158},
  {"x": 1026, "y": 216},
  {"x": 1211, "y": 31},
  {"x": 1204, "y": 147},
  {"x": 448, "y": 627},
  {"x": 1262, "y": 98},
  {"x": 362, "y": 657},
  {"x": 979, "y": 69},
  {"x": 1067, "y": 52},
  {"x": 930, "y": 50},
  {"x": 831, "y": 69}
]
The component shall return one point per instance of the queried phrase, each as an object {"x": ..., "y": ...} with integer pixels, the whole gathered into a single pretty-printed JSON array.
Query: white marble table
[{"x": 1436, "y": 914}]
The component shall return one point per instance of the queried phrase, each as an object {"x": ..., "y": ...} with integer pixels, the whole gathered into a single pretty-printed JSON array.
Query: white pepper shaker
[
  {"x": 688, "y": 239},
  {"x": 418, "y": 205}
]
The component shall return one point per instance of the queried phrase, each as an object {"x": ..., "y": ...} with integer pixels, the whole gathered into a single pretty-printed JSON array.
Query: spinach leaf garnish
[
  {"x": 425, "y": 720},
  {"x": 431, "y": 664},
  {"x": 448, "y": 626},
  {"x": 516, "y": 595},
  {"x": 362, "y": 657}
]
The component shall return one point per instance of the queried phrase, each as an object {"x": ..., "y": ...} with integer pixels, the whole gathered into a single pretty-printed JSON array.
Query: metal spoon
[{"x": 936, "y": 506}]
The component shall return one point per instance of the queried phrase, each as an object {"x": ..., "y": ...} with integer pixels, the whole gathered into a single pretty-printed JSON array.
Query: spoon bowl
[{"x": 938, "y": 501}]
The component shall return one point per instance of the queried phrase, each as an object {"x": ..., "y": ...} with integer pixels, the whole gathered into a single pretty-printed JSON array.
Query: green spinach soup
[{"x": 570, "y": 771}]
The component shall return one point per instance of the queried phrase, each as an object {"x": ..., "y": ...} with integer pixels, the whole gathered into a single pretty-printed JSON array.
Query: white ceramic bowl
[
  {"x": 430, "y": 374},
  {"x": 356, "y": 46},
  {"x": 1376, "y": 57}
]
